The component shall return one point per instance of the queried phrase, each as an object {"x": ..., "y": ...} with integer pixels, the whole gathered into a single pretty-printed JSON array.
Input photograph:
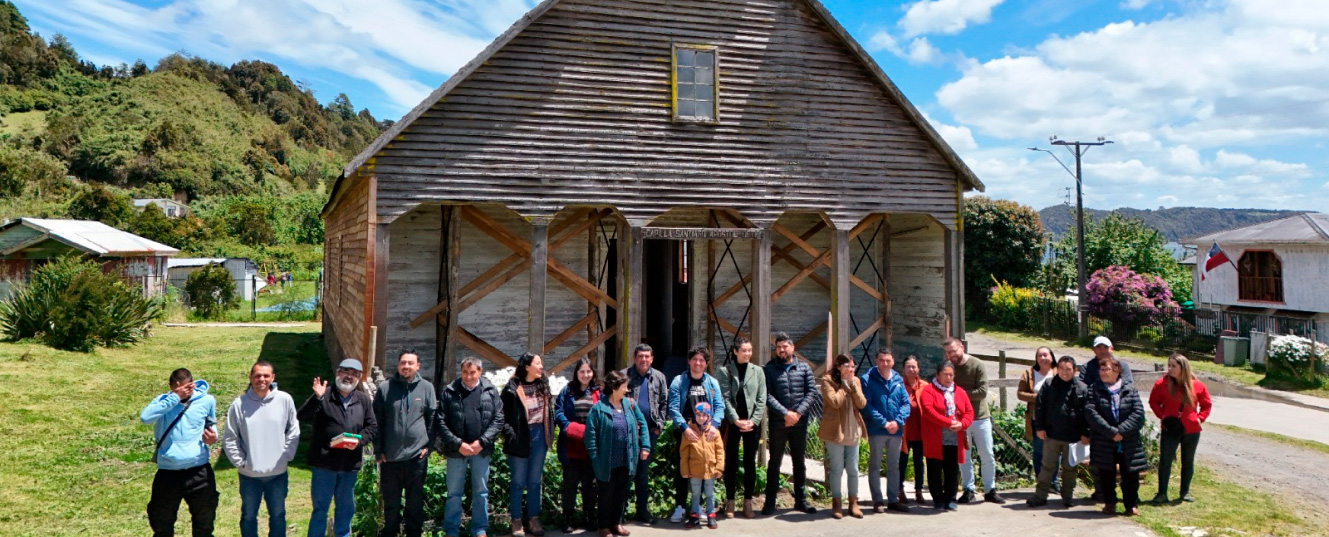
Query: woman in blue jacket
[
  {"x": 885, "y": 415},
  {"x": 616, "y": 438}
]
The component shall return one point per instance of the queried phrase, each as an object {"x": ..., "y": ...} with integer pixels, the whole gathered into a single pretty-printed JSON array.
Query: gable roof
[
  {"x": 962, "y": 170},
  {"x": 1309, "y": 228},
  {"x": 90, "y": 237}
]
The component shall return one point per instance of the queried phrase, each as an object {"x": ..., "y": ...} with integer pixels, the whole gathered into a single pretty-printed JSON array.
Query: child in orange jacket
[{"x": 701, "y": 460}]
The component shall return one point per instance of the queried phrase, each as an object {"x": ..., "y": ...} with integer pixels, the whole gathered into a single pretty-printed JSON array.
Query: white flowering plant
[
  {"x": 1297, "y": 356},
  {"x": 501, "y": 377}
]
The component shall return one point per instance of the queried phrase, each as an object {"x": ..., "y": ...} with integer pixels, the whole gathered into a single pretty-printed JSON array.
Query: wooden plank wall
[
  {"x": 500, "y": 318},
  {"x": 575, "y": 110},
  {"x": 345, "y": 252},
  {"x": 918, "y": 284}
]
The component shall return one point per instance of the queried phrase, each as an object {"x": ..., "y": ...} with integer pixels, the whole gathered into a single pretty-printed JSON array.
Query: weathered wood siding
[
  {"x": 918, "y": 285},
  {"x": 413, "y": 284},
  {"x": 575, "y": 110},
  {"x": 345, "y": 254}
]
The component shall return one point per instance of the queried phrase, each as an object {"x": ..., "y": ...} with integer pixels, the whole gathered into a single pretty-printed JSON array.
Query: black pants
[
  {"x": 197, "y": 486},
  {"x": 731, "y": 441},
  {"x": 579, "y": 472},
  {"x": 641, "y": 483},
  {"x": 682, "y": 485},
  {"x": 613, "y": 495},
  {"x": 916, "y": 448},
  {"x": 944, "y": 476},
  {"x": 1168, "y": 452},
  {"x": 1130, "y": 483},
  {"x": 797, "y": 439},
  {"x": 398, "y": 478}
]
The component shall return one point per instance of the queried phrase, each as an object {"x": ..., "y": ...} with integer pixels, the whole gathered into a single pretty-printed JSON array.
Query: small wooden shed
[
  {"x": 609, "y": 172},
  {"x": 28, "y": 243}
]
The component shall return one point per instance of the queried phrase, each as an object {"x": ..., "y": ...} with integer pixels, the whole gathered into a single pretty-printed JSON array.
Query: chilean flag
[{"x": 1213, "y": 259}]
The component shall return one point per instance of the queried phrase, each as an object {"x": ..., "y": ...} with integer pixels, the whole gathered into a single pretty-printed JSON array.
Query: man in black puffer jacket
[
  {"x": 793, "y": 398},
  {"x": 335, "y": 457},
  {"x": 1059, "y": 422},
  {"x": 470, "y": 418}
]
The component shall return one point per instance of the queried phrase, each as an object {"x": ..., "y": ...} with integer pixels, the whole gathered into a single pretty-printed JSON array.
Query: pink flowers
[{"x": 1118, "y": 294}]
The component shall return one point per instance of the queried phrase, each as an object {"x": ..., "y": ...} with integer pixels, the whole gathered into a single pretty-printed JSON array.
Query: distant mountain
[{"x": 1175, "y": 223}]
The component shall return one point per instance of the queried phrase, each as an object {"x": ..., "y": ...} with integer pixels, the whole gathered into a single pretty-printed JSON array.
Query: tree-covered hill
[
  {"x": 245, "y": 145},
  {"x": 1175, "y": 223}
]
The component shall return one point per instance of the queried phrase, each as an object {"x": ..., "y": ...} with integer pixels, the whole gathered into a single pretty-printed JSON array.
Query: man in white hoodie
[{"x": 261, "y": 436}]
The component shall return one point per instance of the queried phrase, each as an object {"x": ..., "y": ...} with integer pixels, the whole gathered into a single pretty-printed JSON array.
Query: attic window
[{"x": 695, "y": 83}]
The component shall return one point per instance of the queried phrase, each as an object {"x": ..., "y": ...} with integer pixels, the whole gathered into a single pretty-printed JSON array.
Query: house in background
[
  {"x": 243, "y": 272},
  {"x": 172, "y": 208},
  {"x": 1279, "y": 270},
  {"x": 28, "y": 243}
]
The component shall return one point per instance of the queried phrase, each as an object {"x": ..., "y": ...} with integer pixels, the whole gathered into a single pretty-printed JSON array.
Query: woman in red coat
[
  {"x": 913, "y": 428},
  {"x": 946, "y": 415},
  {"x": 1182, "y": 402}
]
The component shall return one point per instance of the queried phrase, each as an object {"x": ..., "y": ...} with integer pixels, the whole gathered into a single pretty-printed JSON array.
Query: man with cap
[
  {"x": 1102, "y": 349},
  {"x": 342, "y": 422}
]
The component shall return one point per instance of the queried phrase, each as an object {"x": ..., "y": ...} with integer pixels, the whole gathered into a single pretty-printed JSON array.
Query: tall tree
[{"x": 1003, "y": 241}]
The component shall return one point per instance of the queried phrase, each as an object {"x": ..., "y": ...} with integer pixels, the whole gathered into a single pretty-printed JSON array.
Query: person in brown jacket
[
  {"x": 701, "y": 461},
  {"x": 841, "y": 429},
  {"x": 1033, "y": 379}
]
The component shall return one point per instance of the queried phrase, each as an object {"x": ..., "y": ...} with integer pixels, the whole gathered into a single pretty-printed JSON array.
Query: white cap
[{"x": 1102, "y": 340}]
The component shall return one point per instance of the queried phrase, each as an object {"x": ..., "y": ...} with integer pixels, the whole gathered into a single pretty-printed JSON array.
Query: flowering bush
[
  {"x": 1119, "y": 295},
  {"x": 1296, "y": 356},
  {"x": 501, "y": 377}
]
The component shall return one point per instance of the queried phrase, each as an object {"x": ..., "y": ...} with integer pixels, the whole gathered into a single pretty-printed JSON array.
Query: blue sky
[{"x": 1214, "y": 103}]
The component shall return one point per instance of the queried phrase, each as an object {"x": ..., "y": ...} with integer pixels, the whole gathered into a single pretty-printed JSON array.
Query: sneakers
[
  {"x": 967, "y": 497},
  {"x": 1187, "y": 498},
  {"x": 1134, "y": 511},
  {"x": 1068, "y": 502},
  {"x": 1036, "y": 502},
  {"x": 878, "y": 507},
  {"x": 1159, "y": 499},
  {"x": 897, "y": 507},
  {"x": 993, "y": 497},
  {"x": 710, "y": 521},
  {"x": 678, "y": 515},
  {"x": 534, "y": 528},
  {"x": 694, "y": 521},
  {"x": 952, "y": 507}
]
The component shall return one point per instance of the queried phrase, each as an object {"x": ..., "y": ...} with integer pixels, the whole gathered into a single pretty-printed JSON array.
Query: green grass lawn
[
  {"x": 1222, "y": 508},
  {"x": 77, "y": 459}
]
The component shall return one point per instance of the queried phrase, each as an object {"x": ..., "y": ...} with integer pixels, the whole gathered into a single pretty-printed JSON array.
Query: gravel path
[{"x": 1295, "y": 474}]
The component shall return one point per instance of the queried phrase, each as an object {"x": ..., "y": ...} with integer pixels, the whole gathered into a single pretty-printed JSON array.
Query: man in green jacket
[{"x": 971, "y": 376}]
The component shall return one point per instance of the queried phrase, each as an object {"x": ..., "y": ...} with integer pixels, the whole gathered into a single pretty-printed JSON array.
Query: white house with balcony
[{"x": 1277, "y": 268}]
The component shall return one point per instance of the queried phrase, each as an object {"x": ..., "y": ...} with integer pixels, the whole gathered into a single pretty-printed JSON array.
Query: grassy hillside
[
  {"x": 73, "y": 424},
  {"x": 1175, "y": 223}
]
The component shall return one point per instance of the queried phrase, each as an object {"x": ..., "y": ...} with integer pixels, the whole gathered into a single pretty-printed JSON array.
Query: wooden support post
[
  {"x": 951, "y": 282},
  {"x": 1001, "y": 374},
  {"x": 592, "y": 264},
  {"x": 840, "y": 291},
  {"x": 959, "y": 280},
  {"x": 632, "y": 287},
  {"x": 445, "y": 335},
  {"x": 380, "y": 296},
  {"x": 535, "y": 336},
  {"x": 761, "y": 298},
  {"x": 887, "y": 337},
  {"x": 711, "y": 306}
]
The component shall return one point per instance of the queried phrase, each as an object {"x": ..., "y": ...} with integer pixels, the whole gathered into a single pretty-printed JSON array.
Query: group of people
[
  {"x": 608, "y": 433},
  {"x": 1099, "y": 407}
]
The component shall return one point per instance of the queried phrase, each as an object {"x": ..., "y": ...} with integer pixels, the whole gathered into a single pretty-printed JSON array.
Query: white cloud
[
  {"x": 1135, "y": 4},
  {"x": 921, "y": 51},
  {"x": 945, "y": 16},
  {"x": 1185, "y": 158},
  {"x": 882, "y": 40},
  {"x": 388, "y": 46},
  {"x": 961, "y": 139}
]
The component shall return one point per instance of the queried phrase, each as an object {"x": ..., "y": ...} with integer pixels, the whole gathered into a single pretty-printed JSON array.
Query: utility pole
[{"x": 1078, "y": 149}]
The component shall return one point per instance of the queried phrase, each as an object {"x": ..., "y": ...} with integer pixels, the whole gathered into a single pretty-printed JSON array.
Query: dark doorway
[{"x": 666, "y": 301}]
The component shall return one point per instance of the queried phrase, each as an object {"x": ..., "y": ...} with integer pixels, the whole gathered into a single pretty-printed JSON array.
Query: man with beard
[
  {"x": 791, "y": 395},
  {"x": 404, "y": 411},
  {"x": 342, "y": 422}
]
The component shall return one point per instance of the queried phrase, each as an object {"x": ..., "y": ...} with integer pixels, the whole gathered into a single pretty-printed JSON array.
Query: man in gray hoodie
[
  {"x": 261, "y": 436},
  {"x": 404, "y": 409}
]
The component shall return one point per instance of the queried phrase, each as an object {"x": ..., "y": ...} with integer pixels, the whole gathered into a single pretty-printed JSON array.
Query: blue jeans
[
  {"x": 980, "y": 447},
  {"x": 479, "y": 471},
  {"x": 841, "y": 458},
  {"x": 324, "y": 487},
  {"x": 271, "y": 490},
  {"x": 703, "y": 488},
  {"x": 526, "y": 475}
]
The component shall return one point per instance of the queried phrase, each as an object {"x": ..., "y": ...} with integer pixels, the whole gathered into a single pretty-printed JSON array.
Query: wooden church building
[{"x": 675, "y": 172}]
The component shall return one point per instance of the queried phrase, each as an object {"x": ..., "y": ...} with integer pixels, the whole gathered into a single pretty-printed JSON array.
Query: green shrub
[
  {"x": 211, "y": 291},
  {"x": 71, "y": 304}
]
